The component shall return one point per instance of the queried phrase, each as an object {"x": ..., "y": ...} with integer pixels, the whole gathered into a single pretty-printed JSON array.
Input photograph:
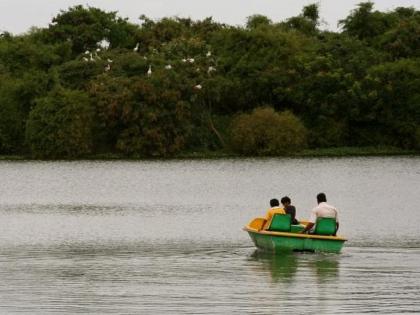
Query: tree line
[{"x": 93, "y": 82}]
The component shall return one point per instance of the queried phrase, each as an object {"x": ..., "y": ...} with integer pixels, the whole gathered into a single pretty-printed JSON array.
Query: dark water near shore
[{"x": 165, "y": 237}]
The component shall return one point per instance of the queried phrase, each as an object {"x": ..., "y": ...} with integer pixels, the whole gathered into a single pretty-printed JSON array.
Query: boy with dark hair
[{"x": 289, "y": 209}]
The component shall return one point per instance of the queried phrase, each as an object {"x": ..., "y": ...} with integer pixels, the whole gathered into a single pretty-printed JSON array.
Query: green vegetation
[
  {"x": 93, "y": 84},
  {"x": 265, "y": 132}
]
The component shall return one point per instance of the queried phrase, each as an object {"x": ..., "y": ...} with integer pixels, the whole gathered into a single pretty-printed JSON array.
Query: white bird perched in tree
[
  {"x": 137, "y": 47},
  {"x": 91, "y": 57},
  {"x": 149, "y": 72},
  {"x": 110, "y": 60},
  {"x": 208, "y": 54},
  {"x": 198, "y": 87},
  {"x": 104, "y": 44},
  {"x": 168, "y": 67},
  {"x": 108, "y": 67},
  {"x": 87, "y": 52},
  {"x": 85, "y": 59},
  {"x": 98, "y": 49},
  {"x": 211, "y": 69},
  {"x": 184, "y": 60},
  {"x": 191, "y": 60}
]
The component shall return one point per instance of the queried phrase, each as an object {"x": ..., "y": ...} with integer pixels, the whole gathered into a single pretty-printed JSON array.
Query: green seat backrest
[
  {"x": 296, "y": 228},
  {"x": 325, "y": 226},
  {"x": 281, "y": 223}
]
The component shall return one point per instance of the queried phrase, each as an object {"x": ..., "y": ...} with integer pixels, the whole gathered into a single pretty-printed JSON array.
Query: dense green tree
[
  {"x": 19, "y": 54},
  {"x": 403, "y": 40},
  {"x": 389, "y": 110},
  {"x": 60, "y": 125},
  {"x": 94, "y": 82},
  {"x": 265, "y": 132},
  {"x": 307, "y": 22},
  {"x": 144, "y": 116},
  {"x": 257, "y": 20},
  {"x": 11, "y": 118},
  {"x": 365, "y": 23},
  {"x": 84, "y": 28}
]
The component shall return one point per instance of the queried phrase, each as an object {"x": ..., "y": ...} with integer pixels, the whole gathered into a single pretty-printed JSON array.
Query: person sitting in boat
[
  {"x": 289, "y": 209},
  {"x": 323, "y": 210},
  {"x": 275, "y": 209}
]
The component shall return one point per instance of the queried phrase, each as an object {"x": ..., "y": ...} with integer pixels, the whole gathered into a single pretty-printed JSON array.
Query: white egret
[
  {"x": 137, "y": 47},
  {"x": 87, "y": 52},
  {"x": 108, "y": 67},
  {"x": 211, "y": 69},
  {"x": 208, "y": 54},
  {"x": 149, "y": 72},
  {"x": 91, "y": 57},
  {"x": 198, "y": 87},
  {"x": 168, "y": 67},
  {"x": 85, "y": 59},
  {"x": 110, "y": 60},
  {"x": 98, "y": 49},
  {"x": 191, "y": 60},
  {"x": 184, "y": 60},
  {"x": 104, "y": 44}
]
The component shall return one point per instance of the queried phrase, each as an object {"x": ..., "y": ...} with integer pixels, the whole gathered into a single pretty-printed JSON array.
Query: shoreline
[{"x": 222, "y": 154}]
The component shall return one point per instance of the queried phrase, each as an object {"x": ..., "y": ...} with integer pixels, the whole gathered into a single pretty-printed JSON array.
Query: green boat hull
[{"x": 278, "y": 243}]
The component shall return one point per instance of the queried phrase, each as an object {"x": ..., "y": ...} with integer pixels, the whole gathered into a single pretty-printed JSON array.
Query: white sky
[{"x": 17, "y": 16}]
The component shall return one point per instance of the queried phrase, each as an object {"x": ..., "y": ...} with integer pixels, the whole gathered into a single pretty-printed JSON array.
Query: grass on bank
[{"x": 321, "y": 152}]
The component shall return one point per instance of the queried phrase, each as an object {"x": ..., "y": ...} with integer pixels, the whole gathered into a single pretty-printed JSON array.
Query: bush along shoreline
[
  {"x": 93, "y": 85},
  {"x": 338, "y": 152}
]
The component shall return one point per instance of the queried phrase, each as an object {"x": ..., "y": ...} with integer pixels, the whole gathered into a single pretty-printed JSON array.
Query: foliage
[
  {"x": 266, "y": 132},
  {"x": 83, "y": 84},
  {"x": 257, "y": 20},
  {"x": 60, "y": 125},
  {"x": 84, "y": 28},
  {"x": 141, "y": 116},
  {"x": 10, "y": 117},
  {"x": 391, "y": 104}
]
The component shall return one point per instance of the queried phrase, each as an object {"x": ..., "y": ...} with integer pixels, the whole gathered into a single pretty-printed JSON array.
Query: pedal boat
[{"x": 282, "y": 236}]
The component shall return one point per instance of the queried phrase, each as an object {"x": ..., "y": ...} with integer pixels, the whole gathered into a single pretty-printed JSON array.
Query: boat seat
[
  {"x": 280, "y": 223},
  {"x": 297, "y": 228},
  {"x": 325, "y": 226}
]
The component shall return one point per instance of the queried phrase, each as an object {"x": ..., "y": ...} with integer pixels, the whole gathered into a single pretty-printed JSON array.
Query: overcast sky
[{"x": 17, "y": 16}]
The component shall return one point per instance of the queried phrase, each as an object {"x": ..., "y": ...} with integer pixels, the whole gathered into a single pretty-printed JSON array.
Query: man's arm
[
  {"x": 336, "y": 228},
  {"x": 311, "y": 223},
  {"x": 336, "y": 222},
  {"x": 308, "y": 227}
]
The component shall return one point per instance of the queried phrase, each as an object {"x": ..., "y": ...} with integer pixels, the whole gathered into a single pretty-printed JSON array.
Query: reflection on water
[
  {"x": 279, "y": 267},
  {"x": 326, "y": 267},
  {"x": 165, "y": 237},
  {"x": 284, "y": 267}
]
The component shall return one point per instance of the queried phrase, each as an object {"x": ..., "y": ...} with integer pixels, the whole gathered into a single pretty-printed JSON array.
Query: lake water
[{"x": 164, "y": 237}]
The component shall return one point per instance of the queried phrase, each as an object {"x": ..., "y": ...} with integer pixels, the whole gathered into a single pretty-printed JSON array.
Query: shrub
[
  {"x": 60, "y": 125},
  {"x": 266, "y": 132},
  {"x": 11, "y": 121}
]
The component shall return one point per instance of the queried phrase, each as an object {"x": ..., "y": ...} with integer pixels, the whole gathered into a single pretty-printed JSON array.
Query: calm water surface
[{"x": 165, "y": 237}]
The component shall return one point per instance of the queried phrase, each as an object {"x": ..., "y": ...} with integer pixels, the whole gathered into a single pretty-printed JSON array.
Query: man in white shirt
[{"x": 323, "y": 210}]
